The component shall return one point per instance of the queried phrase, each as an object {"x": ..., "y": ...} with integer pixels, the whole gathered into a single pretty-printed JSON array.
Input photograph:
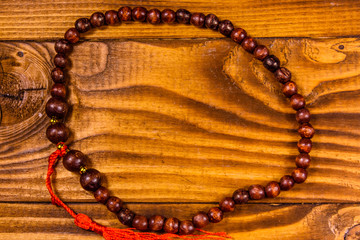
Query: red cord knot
[{"x": 85, "y": 222}]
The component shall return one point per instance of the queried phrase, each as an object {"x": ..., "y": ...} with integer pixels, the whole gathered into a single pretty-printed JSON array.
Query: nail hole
[
  {"x": 20, "y": 54},
  {"x": 341, "y": 47}
]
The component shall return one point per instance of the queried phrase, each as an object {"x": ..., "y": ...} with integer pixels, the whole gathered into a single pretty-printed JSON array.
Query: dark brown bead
[
  {"x": 272, "y": 189},
  {"x": 97, "y": 19},
  {"x": 283, "y": 75},
  {"x": 186, "y": 227},
  {"x": 124, "y": 14},
  {"x": 299, "y": 175},
  {"x": 56, "y": 107},
  {"x": 171, "y": 225},
  {"x": 306, "y": 130},
  {"x": 63, "y": 46},
  {"x": 215, "y": 215},
  {"x": 289, "y": 89},
  {"x": 57, "y": 132},
  {"x": 102, "y": 194},
  {"x": 286, "y": 183},
  {"x": 200, "y": 220},
  {"x": 297, "y": 101},
  {"x": 212, "y": 21},
  {"x": 91, "y": 179},
  {"x": 261, "y": 52},
  {"x": 156, "y": 223},
  {"x": 60, "y": 60},
  {"x": 304, "y": 145},
  {"x": 303, "y": 160},
  {"x": 249, "y": 44},
  {"x": 114, "y": 204},
  {"x": 303, "y": 115},
  {"x": 256, "y": 192},
  {"x": 72, "y": 35},
  {"x": 58, "y": 90},
  {"x": 153, "y": 16},
  {"x": 226, "y": 27},
  {"x": 238, "y": 35},
  {"x": 139, "y": 14},
  {"x": 57, "y": 75},
  {"x": 227, "y": 204},
  {"x": 197, "y": 19},
  {"x": 140, "y": 223},
  {"x": 183, "y": 16},
  {"x": 241, "y": 196},
  {"x": 168, "y": 16},
  {"x": 74, "y": 160},
  {"x": 126, "y": 216},
  {"x": 111, "y": 17},
  {"x": 271, "y": 63},
  {"x": 83, "y": 25}
]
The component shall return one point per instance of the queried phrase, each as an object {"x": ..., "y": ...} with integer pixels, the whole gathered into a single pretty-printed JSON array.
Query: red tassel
[{"x": 85, "y": 222}]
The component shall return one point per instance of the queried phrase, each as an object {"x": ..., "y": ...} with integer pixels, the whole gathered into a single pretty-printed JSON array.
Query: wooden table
[{"x": 178, "y": 117}]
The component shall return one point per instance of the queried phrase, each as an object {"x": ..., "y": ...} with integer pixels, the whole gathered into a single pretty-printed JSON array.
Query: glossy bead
[
  {"x": 171, "y": 225},
  {"x": 241, "y": 196},
  {"x": 111, "y": 17},
  {"x": 168, "y": 16},
  {"x": 58, "y": 90},
  {"x": 200, "y": 220},
  {"x": 299, "y": 175},
  {"x": 271, "y": 63},
  {"x": 153, "y": 16},
  {"x": 97, "y": 19},
  {"x": 238, "y": 35},
  {"x": 197, "y": 19},
  {"x": 156, "y": 223},
  {"x": 226, "y": 27},
  {"x": 56, "y": 107},
  {"x": 227, "y": 204},
  {"x": 303, "y": 160},
  {"x": 57, "y": 75},
  {"x": 297, "y": 101},
  {"x": 72, "y": 35},
  {"x": 304, "y": 145},
  {"x": 60, "y": 60},
  {"x": 126, "y": 216},
  {"x": 282, "y": 74},
  {"x": 306, "y": 130},
  {"x": 91, "y": 179},
  {"x": 57, "y": 132},
  {"x": 286, "y": 183},
  {"x": 183, "y": 16},
  {"x": 261, "y": 52},
  {"x": 215, "y": 215},
  {"x": 114, "y": 204},
  {"x": 289, "y": 88},
  {"x": 303, "y": 115},
  {"x": 83, "y": 25},
  {"x": 212, "y": 21},
  {"x": 140, "y": 223},
  {"x": 272, "y": 189},
  {"x": 249, "y": 44},
  {"x": 63, "y": 46},
  {"x": 74, "y": 160},
  {"x": 186, "y": 227},
  {"x": 139, "y": 14},
  {"x": 124, "y": 14},
  {"x": 102, "y": 194},
  {"x": 256, "y": 192}
]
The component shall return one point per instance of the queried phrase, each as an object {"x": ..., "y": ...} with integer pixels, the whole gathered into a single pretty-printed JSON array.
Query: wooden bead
[
  {"x": 241, "y": 196},
  {"x": 271, "y": 63},
  {"x": 306, "y": 130},
  {"x": 60, "y": 60},
  {"x": 212, "y": 21},
  {"x": 124, "y": 14},
  {"x": 227, "y": 204},
  {"x": 97, "y": 19},
  {"x": 156, "y": 223},
  {"x": 200, "y": 219},
  {"x": 153, "y": 16},
  {"x": 238, "y": 35},
  {"x": 72, "y": 35},
  {"x": 91, "y": 179},
  {"x": 63, "y": 46},
  {"x": 256, "y": 192},
  {"x": 303, "y": 160},
  {"x": 74, "y": 160},
  {"x": 83, "y": 25},
  {"x": 261, "y": 52},
  {"x": 168, "y": 16},
  {"x": 57, "y": 132},
  {"x": 139, "y": 14},
  {"x": 289, "y": 89},
  {"x": 58, "y": 90},
  {"x": 56, "y": 107},
  {"x": 140, "y": 223},
  {"x": 102, "y": 194},
  {"x": 299, "y": 175},
  {"x": 126, "y": 216},
  {"x": 183, "y": 16},
  {"x": 197, "y": 19},
  {"x": 282, "y": 74},
  {"x": 297, "y": 101},
  {"x": 111, "y": 17},
  {"x": 286, "y": 183},
  {"x": 303, "y": 115},
  {"x": 114, "y": 204},
  {"x": 304, "y": 145},
  {"x": 226, "y": 27},
  {"x": 272, "y": 189},
  {"x": 249, "y": 44},
  {"x": 215, "y": 215},
  {"x": 171, "y": 225},
  {"x": 57, "y": 75},
  {"x": 186, "y": 227}
]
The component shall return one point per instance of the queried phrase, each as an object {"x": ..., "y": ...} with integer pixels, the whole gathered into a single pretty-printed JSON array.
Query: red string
[{"x": 83, "y": 221}]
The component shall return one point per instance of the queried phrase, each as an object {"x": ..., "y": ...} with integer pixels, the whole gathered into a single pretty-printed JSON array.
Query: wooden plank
[{"x": 48, "y": 20}]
